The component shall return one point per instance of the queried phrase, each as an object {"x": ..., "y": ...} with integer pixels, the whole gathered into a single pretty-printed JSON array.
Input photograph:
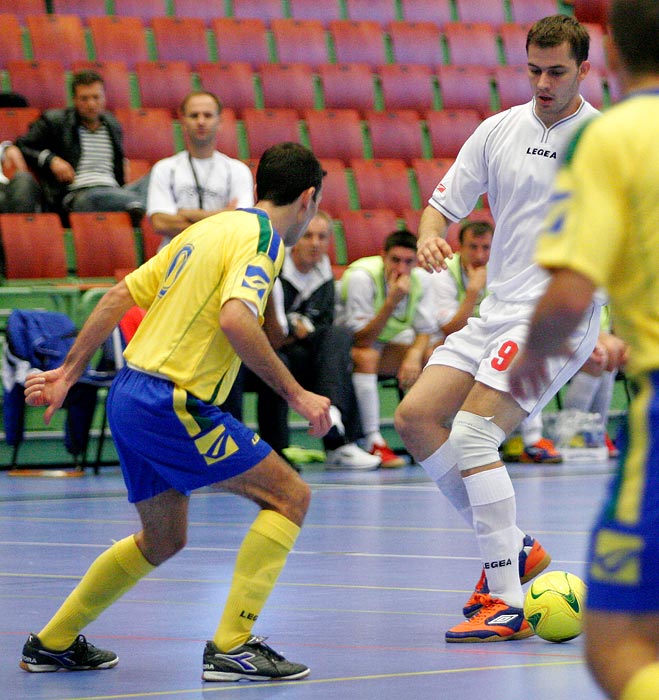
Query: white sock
[
  {"x": 581, "y": 391},
  {"x": 492, "y": 499},
  {"x": 531, "y": 430},
  {"x": 368, "y": 400},
  {"x": 602, "y": 401},
  {"x": 442, "y": 468}
]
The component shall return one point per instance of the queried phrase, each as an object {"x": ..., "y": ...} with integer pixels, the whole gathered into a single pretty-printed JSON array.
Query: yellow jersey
[
  {"x": 231, "y": 255},
  {"x": 603, "y": 220}
]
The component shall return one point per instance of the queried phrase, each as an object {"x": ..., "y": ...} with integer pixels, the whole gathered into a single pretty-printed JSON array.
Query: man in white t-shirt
[
  {"x": 458, "y": 412},
  {"x": 199, "y": 181}
]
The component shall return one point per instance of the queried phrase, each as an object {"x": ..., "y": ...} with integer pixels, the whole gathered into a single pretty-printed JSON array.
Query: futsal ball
[{"x": 554, "y": 606}]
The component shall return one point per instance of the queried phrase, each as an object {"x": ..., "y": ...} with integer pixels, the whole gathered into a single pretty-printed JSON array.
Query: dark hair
[
  {"x": 477, "y": 228},
  {"x": 285, "y": 170},
  {"x": 404, "y": 239},
  {"x": 557, "y": 29},
  {"x": 85, "y": 77},
  {"x": 198, "y": 93},
  {"x": 635, "y": 30}
]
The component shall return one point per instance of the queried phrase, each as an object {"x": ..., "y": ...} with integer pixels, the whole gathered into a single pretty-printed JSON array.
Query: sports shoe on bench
[
  {"x": 80, "y": 656},
  {"x": 389, "y": 459},
  {"x": 351, "y": 456},
  {"x": 542, "y": 452},
  {"x": 533, "y": 559},
  {"x": 254, "y": 661},
  {"x": 496, "y": 621}
]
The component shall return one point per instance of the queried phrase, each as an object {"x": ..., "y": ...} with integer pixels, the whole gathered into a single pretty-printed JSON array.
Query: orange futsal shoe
[
  {"x": 389, "y": 459},
  {"x": 496, "y": 621}
]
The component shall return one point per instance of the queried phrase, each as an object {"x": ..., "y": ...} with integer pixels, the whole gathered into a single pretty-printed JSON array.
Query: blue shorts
[
  {"x": 624, "y": 551},
  {"x": 167, "y": 438}
]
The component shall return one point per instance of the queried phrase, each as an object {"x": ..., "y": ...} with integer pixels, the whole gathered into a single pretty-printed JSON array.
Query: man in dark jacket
[{"x": 78, "y": 154}]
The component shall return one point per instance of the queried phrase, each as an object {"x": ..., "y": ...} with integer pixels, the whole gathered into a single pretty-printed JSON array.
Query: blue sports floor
[{"x": 381, "y": 569}]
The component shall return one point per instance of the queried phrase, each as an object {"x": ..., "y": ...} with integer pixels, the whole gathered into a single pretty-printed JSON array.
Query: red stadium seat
[
  {"x": 396, "y": 134},
  {"x": 163, "y": 83},
  {"x": 300, "y": 41},
  {"x": 288, "y": 85},
  {"x": 416, "y": 42},
  {"x": 530, "y": 11},
  {"x": 82, "y": 8},
  {"x": 242, "y": 40},
  {"x": 408, "y": 87},
  {"x": 116, "y": 79},
  {"x": 347, "y": 86},
  {"x": 265, "y": 127},
  {"x": 267, "y": 10},
  {"x": 146, "y": 10},
  {"x": 11, "y": 46},
  {"x": 180, "y": 39},
  {"x": 513, "y": 85},
  {"x": 364, "y": 231},
  {"x": 335, "y": 133},
  {"x": 227, "y": 135},
  {"x": 437, "y": 11},
  {"x": 119, "y": 39},
  {"x": 412, "y": 218},
  {"x": 489, "y": 11},
  {"x": 232, "y": 82},
  {"x": 592, "y": 11},
  {"x": 206, "y": 10},
  {"x": 513, "y": 40},
  {"x": 358, "y": 42},
  {"x": 472, "y": 44},
  {"x": 382, "y": 183},
  {"x": 592, "y": 88},
  {"x": 148, "y": 133},
  {"x": 336, "y": 193},
  {"x": 15, "y": 121},
  {"x": 429, "y": 173},
  {"x": 449, "y": 129},
  {"x": 43, "y": 83},
  {"x": 381, "y": 11},
  {"x": 312, "y": 9},
  {"x": 596, "y": 54},
  {"x": 466, "y": 87},
  {"x": 22, "y": 8}
]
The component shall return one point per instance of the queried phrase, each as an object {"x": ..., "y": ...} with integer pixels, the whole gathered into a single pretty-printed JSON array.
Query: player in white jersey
[{"x": 460, "y": 409}]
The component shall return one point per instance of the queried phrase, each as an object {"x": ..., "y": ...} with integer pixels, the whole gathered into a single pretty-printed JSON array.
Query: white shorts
[{"x": 486, "y": 346}]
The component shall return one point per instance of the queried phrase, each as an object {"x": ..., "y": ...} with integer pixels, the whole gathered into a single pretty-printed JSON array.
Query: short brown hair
[{"x": 557, "y": 29}]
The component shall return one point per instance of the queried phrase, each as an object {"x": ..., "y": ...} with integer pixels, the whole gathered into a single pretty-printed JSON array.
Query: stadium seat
[
  {"x": 513, "y": 85},
  {"x": 530, "y": 11},
  {"x": 437, "y": 11},
  {"x": 358, "y": 42},
  {"x": 163, "y": 84},
  {"x": 265, "y": 127},
  {"x": 364, "y": 231},
  {"x": 148, "y": 133},
  {"x": 58, "y": 37},
  {"x": 33, "y": 246},
  {"x": 104, "y": 242},
  {"x": 596, "y": 54},
  {"x": 287, "y": 85},
  {"x": 11, "y": 46},
  {"x": 241, "y": 40},
  {"x": 267, "y": 10},
  {"x": 119, "y": 39},
  {"x": 347, "y": 86},
  {"x": 206, "y": 10},
  {"x": 466, "y": 87},
  {"x": 416, "y": 42},
  {"x": 449, "y": 129},
  {"x": 300, "y": 41},
  {"x": 336, "y": 193},
  {"x": 15, "y": 121},
  {"x": 312, "y": 9},
  {"x": 412, "y": 218},
  {"x": 429, "y": 173},
  {"x": 472, "y": 43},
  {"x": 408, "y": 87},
  {"x": 335, "y": 133},
  {"x": 82, "y": 8},
  {"x": 382, "y": 184},
  {"x": 591, "y": 11},
  {"x": 180, "y": 39},
  {"x": 381, "y": 11},
  {"x": 396, "y": 134},
  {"x": 22, "y": 8},
  {"x": 136, "y": 168},
  {"x": 232, "y": 82},
  {"x": 116, "y": 79},
  {"x": 43, "y": 83},
  {"x": 146, "y": 10},
  {"x": 150, "y": 239},
  {"x": 489, "y": 11},
  {"x": 615, "y": 91},
  {"x": 592, "y": 88},
  {"x": 513, "y": 41},
  {"x": 227, "y": 140}
]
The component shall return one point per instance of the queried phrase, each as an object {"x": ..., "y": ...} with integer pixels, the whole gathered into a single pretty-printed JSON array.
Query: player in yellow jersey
[
  {"x": 603, "y": 231},
  {"x": 206, "y": 294}
]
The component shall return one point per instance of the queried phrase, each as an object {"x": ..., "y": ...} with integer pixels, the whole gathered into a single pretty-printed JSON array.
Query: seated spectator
[
  {"x": 457, "y": 298},
  {"x": 199, "y": 181},
  {"x": 19, "y": 191},
  {"x": 388, "y": 304},
  {"x": 315, "y": 350},
  {"x": 78, "y": 154}
]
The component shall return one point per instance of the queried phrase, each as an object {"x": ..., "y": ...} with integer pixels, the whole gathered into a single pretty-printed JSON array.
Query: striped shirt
[{"x": 96, "y": 166}]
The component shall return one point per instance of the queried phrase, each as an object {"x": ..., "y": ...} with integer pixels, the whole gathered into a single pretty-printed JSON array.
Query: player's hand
[
  {"x": 476, "y": 278},
  {"x": 398, "y": 286},
  {"x": 432, "y": 253},
  {"x": 408, "y": 373},
  {"x": 315, "y": 408},
  {"x": 46, "y": 389},
  {"x": 528, "y": 376}
]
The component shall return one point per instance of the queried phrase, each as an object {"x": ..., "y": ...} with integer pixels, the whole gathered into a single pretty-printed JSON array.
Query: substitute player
[
  {"x": 205, "y": 294},
  {"x": 460, "y": 409},
  {"x": 603, "y": 230}
]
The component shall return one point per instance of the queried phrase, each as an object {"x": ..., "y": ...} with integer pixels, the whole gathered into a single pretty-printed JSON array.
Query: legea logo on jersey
[
  {"x": 175, "y": 268},
  {"x": 216, "y": 445},
  {"x": 256, "y": 278}
]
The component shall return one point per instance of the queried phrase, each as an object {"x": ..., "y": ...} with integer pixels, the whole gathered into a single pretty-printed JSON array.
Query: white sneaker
[{"x": 351, "y": 457}]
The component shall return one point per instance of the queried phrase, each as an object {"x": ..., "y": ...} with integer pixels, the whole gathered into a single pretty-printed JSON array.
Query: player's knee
[
  {"x": 407, "y": 418},
  {"x": 476, "y": 440}
]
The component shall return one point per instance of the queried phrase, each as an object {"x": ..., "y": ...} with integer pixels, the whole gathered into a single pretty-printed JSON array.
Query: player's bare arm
[
  {"x": 50, "y": 388},
  {"x": 432, "y": 248},
  {"x": 252, "y": 346}
]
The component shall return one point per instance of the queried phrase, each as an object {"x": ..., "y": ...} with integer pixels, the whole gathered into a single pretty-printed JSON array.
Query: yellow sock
[
  {"x": 113, "y": 573},
  {"x": 260, "y": 560},
  {"x": 643, "y": 685}
]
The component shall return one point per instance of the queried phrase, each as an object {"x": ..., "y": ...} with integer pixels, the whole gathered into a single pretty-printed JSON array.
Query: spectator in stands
[
  {"x": 200, "y": 181},
  {"x": 19, "y": 191},
  {"x": 315, "y": 350},
  {"x": 77, "y": 153},
  {"x": 389, "y": 306}
]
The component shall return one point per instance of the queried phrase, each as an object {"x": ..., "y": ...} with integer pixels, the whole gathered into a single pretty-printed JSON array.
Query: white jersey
[
  {"x": 513, "y": 157},
  {"x": 182, "y": 182}
]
